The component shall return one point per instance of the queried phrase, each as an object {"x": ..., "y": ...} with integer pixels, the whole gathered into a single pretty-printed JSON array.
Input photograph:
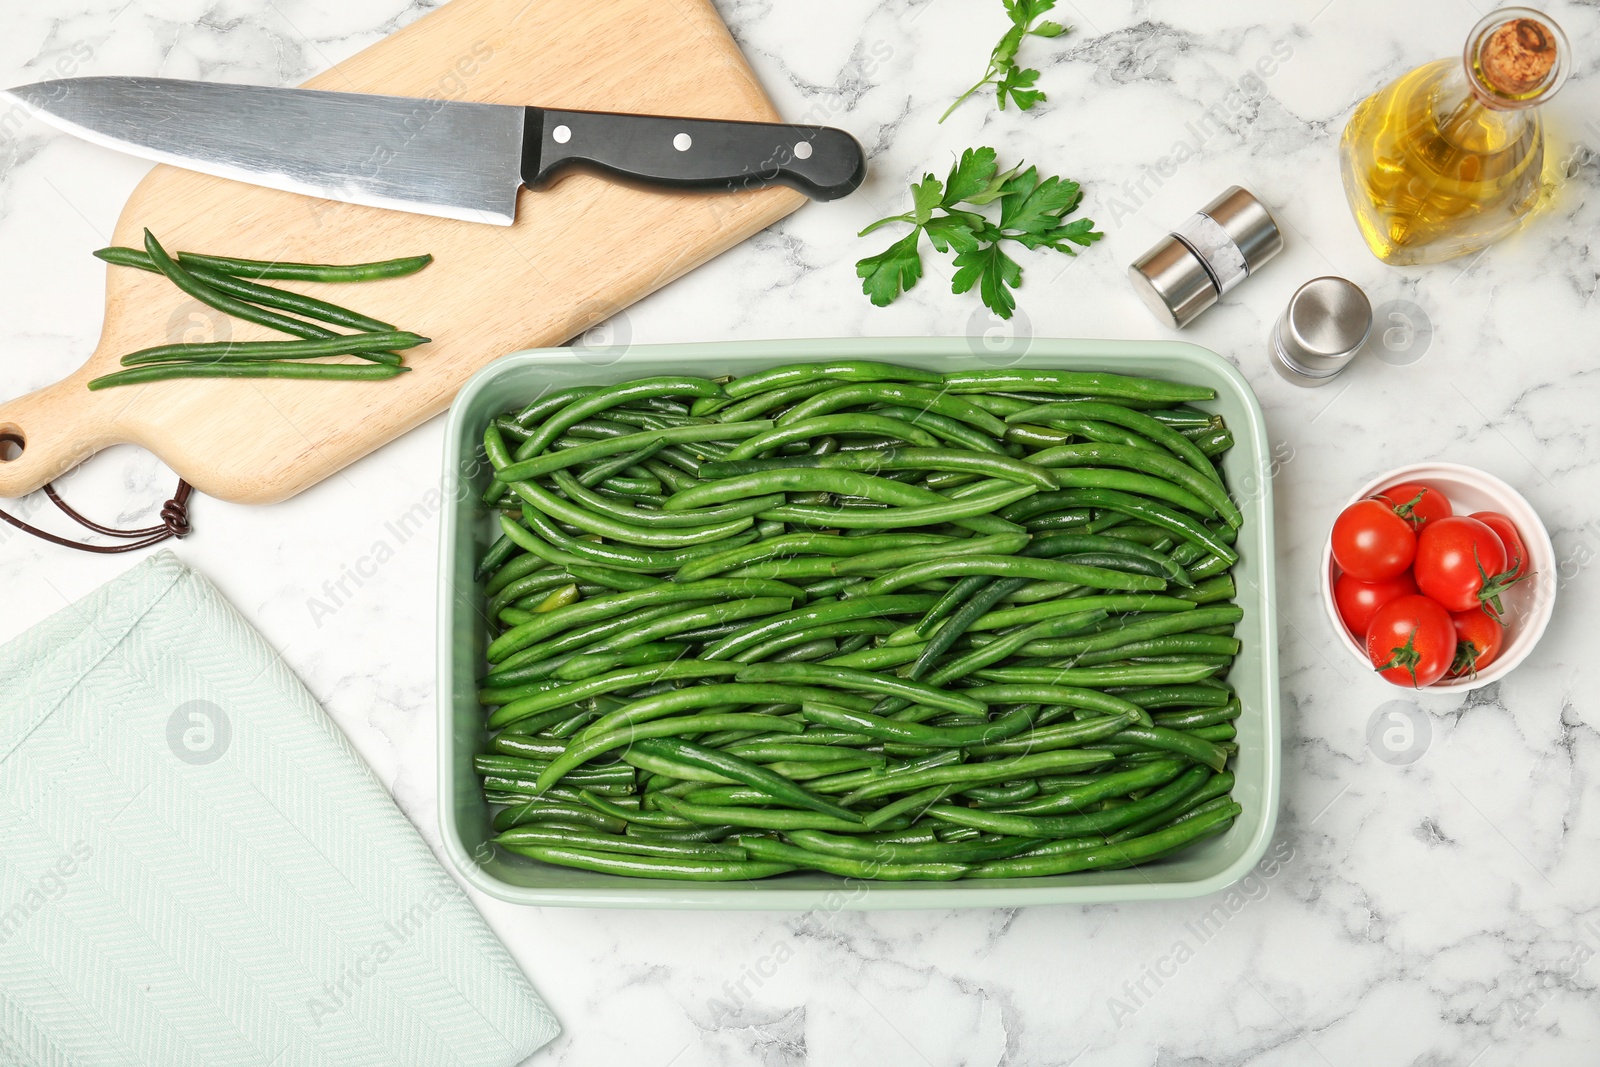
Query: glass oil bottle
[{"x": 1449, "y": 158}]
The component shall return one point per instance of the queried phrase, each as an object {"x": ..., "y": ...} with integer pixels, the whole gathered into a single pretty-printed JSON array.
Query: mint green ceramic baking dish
[{"x": 467, "y": 530}]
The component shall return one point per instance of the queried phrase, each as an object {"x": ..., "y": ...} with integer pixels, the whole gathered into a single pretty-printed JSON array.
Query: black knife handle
[{"x": 822, "y": 162}]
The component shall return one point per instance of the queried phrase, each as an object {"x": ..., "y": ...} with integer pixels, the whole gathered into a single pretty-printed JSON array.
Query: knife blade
[{"x": 454, "y": 159}]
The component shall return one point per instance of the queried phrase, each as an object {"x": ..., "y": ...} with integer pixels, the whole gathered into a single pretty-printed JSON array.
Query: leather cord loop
[{"x": 174, "y": 519}]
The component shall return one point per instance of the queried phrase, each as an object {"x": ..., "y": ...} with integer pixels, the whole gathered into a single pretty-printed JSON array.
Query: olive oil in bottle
[{"x": 1449, "y": 158}]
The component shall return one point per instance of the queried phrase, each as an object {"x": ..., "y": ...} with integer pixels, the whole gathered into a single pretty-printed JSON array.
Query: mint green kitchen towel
[{"x": 196, "y": 869}]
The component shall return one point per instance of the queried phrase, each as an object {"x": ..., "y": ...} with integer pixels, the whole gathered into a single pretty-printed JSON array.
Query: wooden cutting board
[{"x": 579, "y": 251}]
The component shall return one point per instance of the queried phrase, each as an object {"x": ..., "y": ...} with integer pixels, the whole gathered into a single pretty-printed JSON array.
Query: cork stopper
[{"x": 1517, "y": 57}]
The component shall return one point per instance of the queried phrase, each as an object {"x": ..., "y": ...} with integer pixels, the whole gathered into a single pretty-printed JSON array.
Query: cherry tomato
[
  {"x": 1411, "y": 641},
  {"x": 1506, "y": 530},
  {"x": 1371, "y": 542},
  {"x": 1461, "y": 564},
  {"x": 1479, "y": 637},
  {"x": 1416, "y": 503},
  {"x": 1358, "y": 601}
]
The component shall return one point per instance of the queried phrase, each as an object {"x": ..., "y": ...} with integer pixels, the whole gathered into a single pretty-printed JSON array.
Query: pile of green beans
[
  {"x": 235, "y": 286},
  {"x": 862, "y": 619}
]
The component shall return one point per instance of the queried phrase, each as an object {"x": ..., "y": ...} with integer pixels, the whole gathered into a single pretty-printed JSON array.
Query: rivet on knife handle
[{"x": 820, "y": 161}]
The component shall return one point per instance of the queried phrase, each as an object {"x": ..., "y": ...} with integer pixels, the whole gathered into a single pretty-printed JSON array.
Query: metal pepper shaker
[
  {"x": 1318, "y": 334},
  {"x": 1217, "y": 248}
]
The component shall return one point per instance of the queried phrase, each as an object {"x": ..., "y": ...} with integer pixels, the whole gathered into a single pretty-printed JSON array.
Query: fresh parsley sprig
[
  {"x": 1009, "y": 79},
  {"x": 1032, "y": 213}
]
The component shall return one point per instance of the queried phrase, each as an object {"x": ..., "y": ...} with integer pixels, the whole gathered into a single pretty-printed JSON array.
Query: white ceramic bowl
[{"x": 1528, "y": 603}]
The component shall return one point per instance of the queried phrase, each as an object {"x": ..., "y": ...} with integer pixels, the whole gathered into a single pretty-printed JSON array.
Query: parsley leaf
[
  {"x": 887, "y": 275},
  {"x": 1032, "y": 213},
  {"x": 996, "y": 274},
  {"x": 1011, "y": 81}
]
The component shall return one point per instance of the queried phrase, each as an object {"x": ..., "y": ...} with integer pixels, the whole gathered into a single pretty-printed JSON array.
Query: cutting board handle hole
[{"x": 11, "y": 443}]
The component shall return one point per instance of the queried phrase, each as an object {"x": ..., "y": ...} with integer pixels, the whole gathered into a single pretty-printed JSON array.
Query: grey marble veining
[{"x": 1441, "y": 912}]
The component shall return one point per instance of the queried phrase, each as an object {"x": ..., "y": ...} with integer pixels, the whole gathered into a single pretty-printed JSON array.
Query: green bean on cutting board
[
  {"x": 233, "y": 286},
  {"x": 849, "y": 617}
]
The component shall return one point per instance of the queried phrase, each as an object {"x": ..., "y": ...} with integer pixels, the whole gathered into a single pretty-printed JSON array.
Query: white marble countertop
[{"x": 1441, "y": 912}]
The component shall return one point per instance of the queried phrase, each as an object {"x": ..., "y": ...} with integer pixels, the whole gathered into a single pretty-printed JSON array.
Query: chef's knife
[{"x": 435, "y": 157}]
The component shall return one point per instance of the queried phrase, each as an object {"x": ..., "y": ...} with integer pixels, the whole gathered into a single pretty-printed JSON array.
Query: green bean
[
  {"x": 1096, "y": 677},
  {"x": 1097, "y": 822},
  {"x": 1060, "y": 735},
  {"x": 1007, "y": 725},
  {"x": 813, "y": 615},
  {"x": 583, "y": 407},
  {"x": 1015, "y": 567},
  {"x": 532, "y": 810},
  {"x": 843, "y": 517},
  {"x": 1216, "y": 788},
  {"x": 255, "y": 293},
  {"x": 761, "y": 403},
  {"x": 961, "y": 666},
  {"x": 519, "y": 837},
  {"x": 691, "y": 619},
  {"x": 545, "y": 463},
  {"x": 917, "y": 802},
  {"x": 921, "y": 399},
  {"x": 371, "y": 346},
  {"x": 501, "y": 565},
  {"x": 648, "y": 674},
  {"x": 951, "y": 431},
  {"x": 763, "y": 818},
  {"x": 1123, "y": 853},
  {"x": 311, "y": 272},
  {"x": 613, "y": 578},
  {"x": 199, "y": 290},
  {"x": 1159, "y": 626},
  {"x": 1087, "y": 384},
  {"x": 1082, "y": 799},
  {"x": 670, "y": 703},
  {"x": 633, "y": 816},
  {"x": 1000, "y": 770},
  {"x": 891, "y": 852},
  {"x": 986, "y": 464},
  {"x": 793, "y": 545},
  {"x": 685, "y": 868},
  {"x": 777, "y": 852},
  {"x": 1184, "y": 418},
  {"x": 1190, "y": 719},
  {"x": 802, "y": 480},
  {"x": 342, "y": 372},
  {"x": 548, "y": 542},
  {"x": 1167, "y": 696},
  {"x": 1151, "y": 512},
  {"x": 632, "y": 517},
  {"x": 854, "y": 370},
  {"x": 1184, "y": 644},
  {"x": 528, "y": 747},
  {"x": 1214, "y": 442},
  {"x": 856, "y": 422},
  {"x": 1092, "y": 699},
  {"x": 603, "y": 470},
  {"x": 617, "y": 603},
  {"x": 782, "y": 790},
  {"x": 564, "y": 511},
  {"x": 1151, "y": 428},
  {"x": 844, "y": 677},
  {"x": 546, "y": 404},
  {"x": 869, "y": 562},
  {"x": 1159, "y": 464},
  {"x": 862, "y": 628},
  {"x": 1029, "y": 613}
]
